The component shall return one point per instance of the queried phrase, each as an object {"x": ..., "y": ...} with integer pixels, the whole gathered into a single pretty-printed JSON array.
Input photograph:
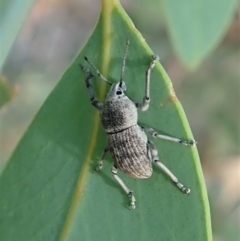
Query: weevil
[{"x": 133, "y": 153}]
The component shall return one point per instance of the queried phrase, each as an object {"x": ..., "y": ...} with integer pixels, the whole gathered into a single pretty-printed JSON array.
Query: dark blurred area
[{"x": 54, "y": 33}]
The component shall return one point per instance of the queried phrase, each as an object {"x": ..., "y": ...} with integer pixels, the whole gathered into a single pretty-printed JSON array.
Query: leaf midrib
[{"x": 107, "y": 8}]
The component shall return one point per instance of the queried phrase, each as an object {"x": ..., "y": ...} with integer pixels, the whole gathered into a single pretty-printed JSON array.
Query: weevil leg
[
  {"x": 124, "y": 187},
  {"x": 155, "y": 159},
  {"x": 146, "y": 99},
  {"x": 89, "y": 75},
  {"x": 101, "y": 160},
  {"x": 155, "y": 134}
]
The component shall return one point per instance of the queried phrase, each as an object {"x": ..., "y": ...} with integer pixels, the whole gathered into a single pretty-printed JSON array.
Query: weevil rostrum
[{"x": 133, "y": 153}]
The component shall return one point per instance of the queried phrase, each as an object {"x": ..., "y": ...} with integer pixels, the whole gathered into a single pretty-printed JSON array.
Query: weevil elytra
[{"x": 132, "y": 152}]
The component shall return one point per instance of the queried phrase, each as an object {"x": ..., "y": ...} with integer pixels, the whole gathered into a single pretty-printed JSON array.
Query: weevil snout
[
  {"x": 122, "y": 85},
  {"x": 117, "y": 90}
]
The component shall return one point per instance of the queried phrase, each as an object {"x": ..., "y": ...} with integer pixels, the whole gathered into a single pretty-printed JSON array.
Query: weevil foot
[
  {"x": 184, "y": 189},
  {"x": 188, "y": 143},
  {"x": 155, "y": 58},
  {"x": 84, "y": 68},
  {"x": 97, "y": 169},
  {"x": 100, "y": 166},
  {"x": 132, "y": 201}
]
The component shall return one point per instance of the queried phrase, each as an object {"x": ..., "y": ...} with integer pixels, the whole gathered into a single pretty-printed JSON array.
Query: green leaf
[
  {"x": 12, "y": 16},
  {"x": 49, "y": 191},
  {"x": 196, "y": 27}
]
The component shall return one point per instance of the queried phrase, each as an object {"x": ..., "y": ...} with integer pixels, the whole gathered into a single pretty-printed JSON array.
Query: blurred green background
[{"x": 54, "y": 32}]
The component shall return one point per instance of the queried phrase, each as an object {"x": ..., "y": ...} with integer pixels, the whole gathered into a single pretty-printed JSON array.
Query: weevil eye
[{"x": 119, "y": 92}]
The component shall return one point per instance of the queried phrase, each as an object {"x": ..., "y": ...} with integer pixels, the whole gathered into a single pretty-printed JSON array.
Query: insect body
[{"x": 131, "y": 150}]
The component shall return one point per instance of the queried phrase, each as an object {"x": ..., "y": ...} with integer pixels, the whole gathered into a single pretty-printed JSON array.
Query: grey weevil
[{"x": 132, "y": 152}]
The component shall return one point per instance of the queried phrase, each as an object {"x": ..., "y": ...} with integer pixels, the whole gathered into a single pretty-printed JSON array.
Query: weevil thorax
[{"x": 118, "y": 112}]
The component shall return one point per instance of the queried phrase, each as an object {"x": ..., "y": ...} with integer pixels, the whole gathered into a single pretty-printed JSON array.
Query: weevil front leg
[
  {"x": 155, "y": 134},
  {"x": 155, "y": 159},
  {"x": 93, "y": 100},
  {"x": 97, "y": 71},
  {"x": 101, "y": 160},
  {"x": 146, "y": 99},
  {"x": 124, "y": 187}
]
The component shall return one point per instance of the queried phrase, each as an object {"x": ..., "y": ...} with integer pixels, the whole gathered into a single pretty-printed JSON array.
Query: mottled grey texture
[
  {"x": 127, "y": 143},
  {"x": 118, "y": 114},
  {"x": 129, "y": 151}
]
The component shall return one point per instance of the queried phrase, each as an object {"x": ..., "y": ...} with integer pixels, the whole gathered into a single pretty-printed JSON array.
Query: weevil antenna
[
  {"x": 124, "y": 60},
  {"x": 98, "y": 72}
]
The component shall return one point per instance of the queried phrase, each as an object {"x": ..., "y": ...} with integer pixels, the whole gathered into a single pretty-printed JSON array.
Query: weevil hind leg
[
  {"x": 146, "y": 99},
  {"x": 118, "y": 179},
  {"x": 124, "y": 187},
  {"x": 155, "y": 159},
  {"x": 101, "y": 160},
  {"x": 155, "y": 134}
]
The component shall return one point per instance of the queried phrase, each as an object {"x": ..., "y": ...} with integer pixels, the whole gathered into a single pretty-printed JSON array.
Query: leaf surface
[{"x": 49, "y": 191}]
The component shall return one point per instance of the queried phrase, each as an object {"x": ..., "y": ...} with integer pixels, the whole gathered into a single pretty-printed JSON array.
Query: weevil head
[
  {"x": 118, "y": 112},
  {"x": 116, "y": 91}
]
